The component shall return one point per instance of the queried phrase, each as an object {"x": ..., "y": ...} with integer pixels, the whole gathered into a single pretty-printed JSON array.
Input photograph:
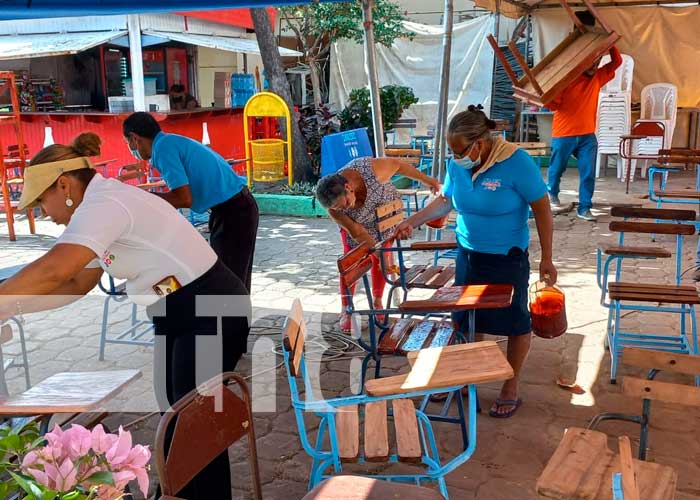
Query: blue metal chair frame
[
  {"x": 130, "y": 336},
  {"x": 326, "y": 457},
  {"x": 617, "y": 338}
]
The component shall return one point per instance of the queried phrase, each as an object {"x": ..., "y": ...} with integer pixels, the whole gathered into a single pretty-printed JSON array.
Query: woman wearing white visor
[{"x": 131, "y": 234}]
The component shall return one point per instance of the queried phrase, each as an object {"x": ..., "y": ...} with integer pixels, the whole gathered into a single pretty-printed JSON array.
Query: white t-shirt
[{"x": 138, "y": 237}]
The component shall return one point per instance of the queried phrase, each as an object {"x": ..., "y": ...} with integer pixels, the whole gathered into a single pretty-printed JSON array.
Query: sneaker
[
  {"x": 554, "y": 200},
  {"x": 586, "y": 215}
]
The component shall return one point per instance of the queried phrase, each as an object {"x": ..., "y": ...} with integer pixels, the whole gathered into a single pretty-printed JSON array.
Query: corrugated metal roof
[
  {"x": 23, "y": 46},
  {"x": 231, "y": 44}
]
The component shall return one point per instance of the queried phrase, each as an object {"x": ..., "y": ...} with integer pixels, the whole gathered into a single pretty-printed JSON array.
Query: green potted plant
[{"x": 357, "y": 114}]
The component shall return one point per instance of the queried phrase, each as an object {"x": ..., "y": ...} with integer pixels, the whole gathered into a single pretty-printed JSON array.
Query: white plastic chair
[
  {"x": 614, "y": 112},
  {"x": 659, "y": 101}
]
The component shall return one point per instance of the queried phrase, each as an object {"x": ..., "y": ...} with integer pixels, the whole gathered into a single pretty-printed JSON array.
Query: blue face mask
[{"x": 466, "y": 162}]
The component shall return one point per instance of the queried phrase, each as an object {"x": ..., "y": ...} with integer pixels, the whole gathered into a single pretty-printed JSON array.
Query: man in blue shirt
[{"x": 200, "y": 179}]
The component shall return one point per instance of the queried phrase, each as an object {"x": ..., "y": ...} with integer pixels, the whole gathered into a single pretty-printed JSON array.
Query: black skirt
[{"x": 476, "y": 268}]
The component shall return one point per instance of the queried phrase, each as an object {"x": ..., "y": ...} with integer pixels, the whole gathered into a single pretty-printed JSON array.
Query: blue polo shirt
[
  {"x": 493, "y": 209},
  {"x": 183, "y": 161}
]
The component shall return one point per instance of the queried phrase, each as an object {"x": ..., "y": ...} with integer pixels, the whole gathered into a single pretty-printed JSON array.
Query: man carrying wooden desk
[{"x": 573, "y": 129}]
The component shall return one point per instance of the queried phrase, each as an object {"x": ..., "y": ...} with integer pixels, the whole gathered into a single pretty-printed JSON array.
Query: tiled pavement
[{"x": 295, "y": 258}]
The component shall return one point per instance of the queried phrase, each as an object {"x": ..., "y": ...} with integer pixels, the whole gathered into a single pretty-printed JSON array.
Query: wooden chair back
[
  {"x": 294, "y": 336},
  {"x": 653, "y": 213},
  {"x": 354, "y": 265},
  {"x": 207, "y": 421},
  {"x": 652, "y": 228},
  {"x": 390, "y": 215},
  {"x": 687, "y": 364},
  {"x": 683, "y": 156},
  {"x": 630, "y": 489}
]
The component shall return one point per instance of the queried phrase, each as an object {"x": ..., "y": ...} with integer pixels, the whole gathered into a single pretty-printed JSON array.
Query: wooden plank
[
  {"x": 665, "y": 361},
  {"x": 661, "y": 299},
  {"x": 629, "y": 481},
  {"x": 652, "y": 288},
  {"x": 574, "y": 459},
  {"x": 681, "y": 193},
  {"x": 652, "y": 228},
  {"x": 654, "y": 213},
  {"x": 462, "y": 298},
  {"x": 523, "y": 64},
  {"x": 351, "y": 277},
  {"x": 444, "y": 335},
  {"x": 389, "y": 208},
  {"x": 390, "y": 222},
  {"x": 376, "y": 432},
  {"x": 577, "y": 22},
  {"x": 452, "y": 366},
  {"x": 418, "y": 337},
  {"x": 433, "y": 245},
  {"x": 354, "y": 256},
  {"x": 408, "y": 446},
  {"x": 412, "y": 272},
  {"x": 70, "y": 392},
  {"x": 569, "y": 57},
  {"x": 662, "y": 391},
  {"x": 399, "y": 152},
  {"x": 347, "y": 429},
  {"x": 657, "y": 252},
  {"x": 502, "y": 58},
  {"x": 392, "y": 339},
  {"x": 441, "y": 280},
  {"x": 423, "y": 278},
  {"x": 294, "y": 336},
  {"x": 554, "y": 53}
]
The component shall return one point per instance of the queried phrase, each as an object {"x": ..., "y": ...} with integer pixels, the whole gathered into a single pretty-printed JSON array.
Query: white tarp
[
  {"x": 416, "y": 64},
  {"x": 231, "y": 44},
  {"x": 662, "y": 40},
  {"x": 54, "y": 44}
]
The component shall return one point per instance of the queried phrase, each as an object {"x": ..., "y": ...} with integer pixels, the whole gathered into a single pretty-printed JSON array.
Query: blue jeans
[{"x": 584, "y": 148}]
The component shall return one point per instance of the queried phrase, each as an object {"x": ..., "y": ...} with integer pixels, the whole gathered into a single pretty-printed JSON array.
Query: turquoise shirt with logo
[
  {"x": 493, "y": 208},
  {"x": 183, "y": 161}
]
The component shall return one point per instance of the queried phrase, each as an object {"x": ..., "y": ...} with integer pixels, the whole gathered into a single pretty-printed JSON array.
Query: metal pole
[
  {"x": 496, "y": 34},
  {"x": 441, "y": 126},
  {"x": 371, "y": 70},
  {"x": 136, "y": 57}
]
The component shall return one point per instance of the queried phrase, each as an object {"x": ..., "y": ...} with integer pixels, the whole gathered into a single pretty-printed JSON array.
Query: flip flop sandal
[{"x": 515, "y": 403}]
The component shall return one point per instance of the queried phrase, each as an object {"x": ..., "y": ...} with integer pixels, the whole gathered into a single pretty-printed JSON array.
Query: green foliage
[
  {"x": 330, "y": 22},
  {"x": 358, "y": 113},
  {"x": 300, "y": 189}
]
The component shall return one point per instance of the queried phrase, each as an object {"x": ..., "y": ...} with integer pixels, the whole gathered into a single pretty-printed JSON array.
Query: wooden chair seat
[
  {"x": 680, "y": 193},
  {"x": 69, "y": 392},
  {"x": 376, "y": 433},
  {"x": 633, "y": 251},
  {"x": 365, "y": 488},
  {"x": 407, "y": 335},
  {"x": 429, "y": 277},
  {"x": 646, "y": 292},
  {"x": 408, "y": 192},
  {"x": 455, "y": 365},
  {"x": 582, "y": 468}
]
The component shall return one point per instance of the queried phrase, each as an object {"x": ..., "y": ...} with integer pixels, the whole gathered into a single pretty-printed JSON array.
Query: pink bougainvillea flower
[
  {"x": 120, "y": 450},
  {"x": 101, "y": 441},
  {"x": 68, "y": 476},
  {"x": 77, "y": 441}
]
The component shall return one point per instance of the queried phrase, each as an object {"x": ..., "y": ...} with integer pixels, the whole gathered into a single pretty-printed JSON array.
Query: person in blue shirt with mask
[
  {"x": 200, "y": 179},
  {"x": 492, "y": 184}
]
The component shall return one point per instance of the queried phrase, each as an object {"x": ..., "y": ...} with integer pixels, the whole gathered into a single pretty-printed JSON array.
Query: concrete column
[{"x": 136, "y": 57}]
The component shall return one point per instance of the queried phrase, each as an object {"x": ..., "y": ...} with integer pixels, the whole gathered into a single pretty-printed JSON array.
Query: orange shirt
[{"x": 576, "y": 108}]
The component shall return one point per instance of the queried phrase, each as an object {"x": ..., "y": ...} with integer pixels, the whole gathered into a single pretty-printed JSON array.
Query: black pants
[
  {"x": 176, "y": 358},
  {"x": 233, "y": 227}
]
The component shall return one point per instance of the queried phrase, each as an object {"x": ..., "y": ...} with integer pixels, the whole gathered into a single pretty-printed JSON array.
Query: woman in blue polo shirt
[
  {"x": 492, "y": 184},
  {"x": 200, "y": 179}
]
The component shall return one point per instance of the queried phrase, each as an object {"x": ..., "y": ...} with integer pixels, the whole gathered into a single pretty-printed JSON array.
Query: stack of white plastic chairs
[
  {"x": 659, "y": 102},
  {"x": 614, "y": 112}
]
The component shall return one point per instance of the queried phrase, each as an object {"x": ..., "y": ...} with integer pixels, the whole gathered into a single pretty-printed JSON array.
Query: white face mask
[{"x": 466, "y": 162}]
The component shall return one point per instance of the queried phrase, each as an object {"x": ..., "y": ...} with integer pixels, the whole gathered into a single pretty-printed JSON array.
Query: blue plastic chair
[{"x": 337, "y": 413}]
